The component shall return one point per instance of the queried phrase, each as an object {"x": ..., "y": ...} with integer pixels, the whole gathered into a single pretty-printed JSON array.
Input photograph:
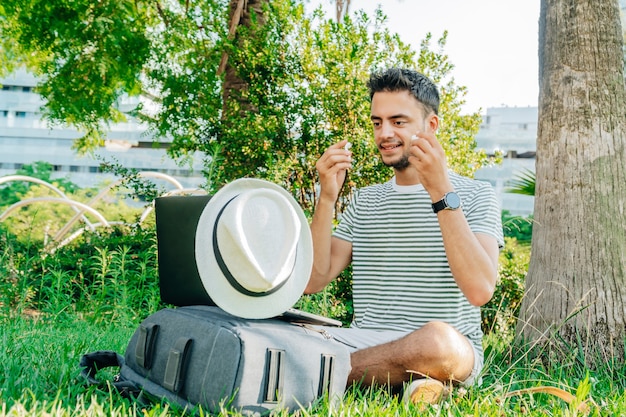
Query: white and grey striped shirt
[{"x": 401, "y": 277}]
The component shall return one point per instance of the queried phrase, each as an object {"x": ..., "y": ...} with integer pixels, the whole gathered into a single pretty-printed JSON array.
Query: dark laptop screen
[{"x": 176, "y": 222}]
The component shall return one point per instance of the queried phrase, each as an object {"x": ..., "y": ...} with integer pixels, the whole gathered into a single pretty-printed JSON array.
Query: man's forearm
[
  {"x": 473, "y": 262},
  {"x": 321, "y": 232}
]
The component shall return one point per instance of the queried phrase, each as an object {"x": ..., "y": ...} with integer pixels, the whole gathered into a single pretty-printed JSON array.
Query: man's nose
[{"x": 386, "y": 130}]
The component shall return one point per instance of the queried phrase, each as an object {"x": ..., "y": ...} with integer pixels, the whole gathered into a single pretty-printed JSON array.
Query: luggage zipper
[{"x": 323, "y": 332}]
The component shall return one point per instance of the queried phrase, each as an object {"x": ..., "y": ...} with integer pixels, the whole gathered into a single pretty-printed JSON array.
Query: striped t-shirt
[{"x": 401, "y": 278}]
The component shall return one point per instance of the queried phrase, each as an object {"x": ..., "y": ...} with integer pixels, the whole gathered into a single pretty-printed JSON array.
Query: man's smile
[{"x": 389, "y": 146}]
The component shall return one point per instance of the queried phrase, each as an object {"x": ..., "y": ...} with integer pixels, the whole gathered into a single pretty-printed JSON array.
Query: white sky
[{"x": 492, "y": 43}]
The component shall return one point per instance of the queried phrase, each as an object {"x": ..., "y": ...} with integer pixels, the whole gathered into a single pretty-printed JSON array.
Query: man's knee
[
  {"x": 449, "y": 353},
  {"x": 438, "y": 337}
]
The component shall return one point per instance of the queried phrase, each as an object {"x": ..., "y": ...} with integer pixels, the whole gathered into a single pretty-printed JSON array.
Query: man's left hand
[{"x": 429, "y": 160}]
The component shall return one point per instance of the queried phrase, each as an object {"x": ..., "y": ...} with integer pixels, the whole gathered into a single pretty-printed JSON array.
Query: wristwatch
[{"x": 450, "y": 201}]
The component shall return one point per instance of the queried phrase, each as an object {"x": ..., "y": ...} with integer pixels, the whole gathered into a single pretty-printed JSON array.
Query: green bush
[
  {"x": 103, "y": 275},
  {"x": 334, "y": 301},
  {"x": 518, "y": 227},
  {"x": 499, "y": 315},
  {"x": 113, "y": 273},
  {"x": 16, "y": 258}
]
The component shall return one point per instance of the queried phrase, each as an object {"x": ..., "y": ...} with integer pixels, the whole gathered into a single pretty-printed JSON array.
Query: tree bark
[
  {"x": 576, "y": 283},
  {"x": 234, "y": 88},
  {"x": 342, "y": 8}
]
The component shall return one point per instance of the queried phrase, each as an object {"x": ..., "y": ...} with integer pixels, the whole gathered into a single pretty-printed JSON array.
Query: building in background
[
  {"x": 513, "y": 131},
  {"x": 25, "y": 138}
]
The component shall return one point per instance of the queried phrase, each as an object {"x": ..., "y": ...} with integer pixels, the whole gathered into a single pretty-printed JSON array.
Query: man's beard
[{"x": 399, "y": 165}]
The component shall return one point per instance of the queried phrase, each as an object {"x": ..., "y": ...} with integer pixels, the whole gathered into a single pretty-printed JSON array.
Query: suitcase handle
[{"x": 92, "y": 362}]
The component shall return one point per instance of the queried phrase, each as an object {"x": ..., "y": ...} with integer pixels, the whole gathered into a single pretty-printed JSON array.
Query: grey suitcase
[{"x": 201, "y": 355}]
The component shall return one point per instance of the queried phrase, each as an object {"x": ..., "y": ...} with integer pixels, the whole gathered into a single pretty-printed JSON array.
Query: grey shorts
[{"x": 357, "y": 339}]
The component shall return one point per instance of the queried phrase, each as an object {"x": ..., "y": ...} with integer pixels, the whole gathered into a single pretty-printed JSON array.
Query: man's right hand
[
  {"x": 330, "y": 255},
  {"x": 332, "y": 168}
]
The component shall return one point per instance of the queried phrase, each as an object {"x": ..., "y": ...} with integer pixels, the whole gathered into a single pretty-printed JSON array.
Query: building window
[{"x": 20, "y": 114}]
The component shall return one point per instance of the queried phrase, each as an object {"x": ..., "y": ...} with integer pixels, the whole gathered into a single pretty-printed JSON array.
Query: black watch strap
[{"x": 439, "y": 205}]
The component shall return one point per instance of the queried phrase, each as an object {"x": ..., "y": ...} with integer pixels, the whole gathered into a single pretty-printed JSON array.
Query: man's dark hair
[{"x": 401, "y": 79}]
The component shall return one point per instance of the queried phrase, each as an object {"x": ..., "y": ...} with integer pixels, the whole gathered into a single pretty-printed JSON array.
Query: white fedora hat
[{"x": 254, "y": 250}]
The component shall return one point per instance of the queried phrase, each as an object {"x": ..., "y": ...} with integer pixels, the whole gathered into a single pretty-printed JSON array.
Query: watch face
[{"x": 453, "y": 201}]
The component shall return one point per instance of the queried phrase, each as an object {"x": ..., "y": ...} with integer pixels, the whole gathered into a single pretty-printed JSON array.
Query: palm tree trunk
[{"x": 576, "y": 283}]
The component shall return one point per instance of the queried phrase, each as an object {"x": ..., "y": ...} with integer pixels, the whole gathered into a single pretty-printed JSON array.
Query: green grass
[
  {"x": 40, "y": 376},
  {"x": 53, "y": 309}
]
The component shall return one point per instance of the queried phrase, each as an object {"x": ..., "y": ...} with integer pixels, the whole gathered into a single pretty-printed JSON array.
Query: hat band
[{"x": 227, "y": 274}]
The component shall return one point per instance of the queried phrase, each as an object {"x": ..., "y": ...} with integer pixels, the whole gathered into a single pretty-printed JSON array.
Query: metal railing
[{"x": 63, "y": 236}]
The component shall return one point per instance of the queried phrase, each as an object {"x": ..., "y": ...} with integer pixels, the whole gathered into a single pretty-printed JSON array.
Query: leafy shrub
[
  {"x": 518, "y": 227},
  {"x": 500, "y": 313},
  {"x": 334, "y": 301},
  {"x": 112, "y": 274},
  {"x": 16, "y": 259},
  {"x": 105, "y": 275}
]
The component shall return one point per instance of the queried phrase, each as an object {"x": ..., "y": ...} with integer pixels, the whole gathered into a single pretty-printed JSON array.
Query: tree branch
[{"x": 234, "y": 22}]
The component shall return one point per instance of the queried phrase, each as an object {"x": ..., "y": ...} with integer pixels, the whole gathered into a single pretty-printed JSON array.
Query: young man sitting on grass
[{"x": 424, "y": 249}]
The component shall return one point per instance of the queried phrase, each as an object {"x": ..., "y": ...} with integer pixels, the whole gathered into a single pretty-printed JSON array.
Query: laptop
[{"x": 179, "y": 280}]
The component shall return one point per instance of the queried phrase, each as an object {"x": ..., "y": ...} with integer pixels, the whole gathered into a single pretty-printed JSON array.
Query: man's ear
[{"x": 432, "y": 122}]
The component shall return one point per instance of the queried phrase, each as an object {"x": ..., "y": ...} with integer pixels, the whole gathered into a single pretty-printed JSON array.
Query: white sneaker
[{"x": 424, "y": 391}]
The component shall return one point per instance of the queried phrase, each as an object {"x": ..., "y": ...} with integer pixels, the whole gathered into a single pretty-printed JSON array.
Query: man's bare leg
[{"x": 436, "y": 350}]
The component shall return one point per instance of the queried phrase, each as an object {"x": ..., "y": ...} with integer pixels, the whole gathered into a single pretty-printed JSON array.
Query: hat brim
[{"x": 217, "y": 286}]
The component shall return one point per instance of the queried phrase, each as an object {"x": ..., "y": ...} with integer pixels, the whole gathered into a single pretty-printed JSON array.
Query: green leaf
[{"x": 523, "y": 184}]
